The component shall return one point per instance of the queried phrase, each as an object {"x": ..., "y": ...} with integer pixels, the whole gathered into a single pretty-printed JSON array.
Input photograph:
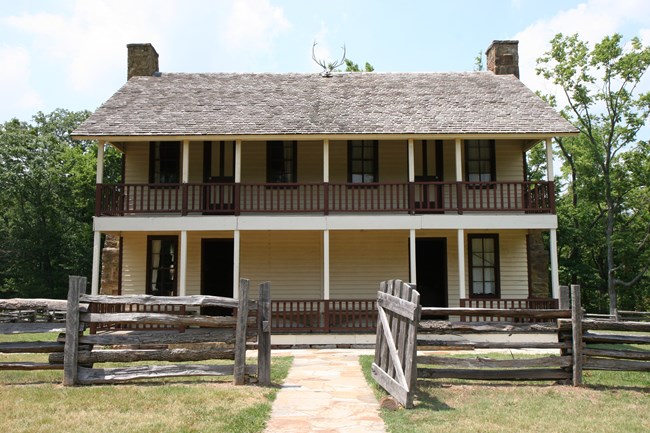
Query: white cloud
[
  {"x": 592, "y": 20},
  {"x": 89, "y": 40},
  {"x": 253, "y": 25},
  {"x": 14, "y": 81}
]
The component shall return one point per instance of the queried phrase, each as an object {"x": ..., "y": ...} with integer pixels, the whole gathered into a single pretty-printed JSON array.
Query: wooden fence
[
  {"x": 576, "y": 340},
  {"x": 398, "y": 308},
  {"x": 21, "y": 314},
  {"x": 204, "y": 337}
]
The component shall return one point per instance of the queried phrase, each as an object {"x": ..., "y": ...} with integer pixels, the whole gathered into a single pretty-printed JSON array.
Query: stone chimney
[
  {"x": 142, "y": 60},
  {"x": 503, "y": 58}
]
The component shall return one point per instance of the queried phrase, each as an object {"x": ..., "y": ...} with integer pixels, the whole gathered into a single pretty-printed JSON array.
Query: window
[
  {"x": 162, "y": 269},
  {"x": 281, "y": 162},
  {"x": 164, "y": 162},
  {"x": 363, "y": 161},
  {"x": 479, "y": 161},
  {"x": 484, "y": 265}
]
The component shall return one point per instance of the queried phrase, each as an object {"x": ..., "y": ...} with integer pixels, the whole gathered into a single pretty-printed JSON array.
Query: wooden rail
[
  {"x": 333, "y": 315},
  {"x": 228, "y": 336},
  {"x": 403, "y": 197}
]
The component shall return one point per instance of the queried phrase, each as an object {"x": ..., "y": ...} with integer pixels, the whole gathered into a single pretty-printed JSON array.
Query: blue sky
[{"x": 72, "y": 53}]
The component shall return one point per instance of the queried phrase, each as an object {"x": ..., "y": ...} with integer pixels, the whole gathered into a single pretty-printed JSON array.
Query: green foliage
[
  {"x": 47, "y": 200},
  {"x": 350, "y": 66},
  {"x": 603, "y": 204},
  {"x": 478, "y": 61}
]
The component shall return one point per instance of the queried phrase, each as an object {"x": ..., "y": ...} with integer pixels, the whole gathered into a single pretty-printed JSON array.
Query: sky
[{"x": 72, "y": 53}]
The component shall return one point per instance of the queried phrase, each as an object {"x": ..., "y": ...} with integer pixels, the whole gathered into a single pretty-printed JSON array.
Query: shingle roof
[{"x": 346, "y": 103}]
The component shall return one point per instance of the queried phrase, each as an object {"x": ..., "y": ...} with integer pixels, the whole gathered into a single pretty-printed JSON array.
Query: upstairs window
[
  {"x": 165, "y": 162},
  {"x": 162, "y": 265},
  {"x": 281, "y": 162},
  {"x": 484, "y": 265},
  {"x": 363, "y": 161},
  {"x": 480, "y": 164}
]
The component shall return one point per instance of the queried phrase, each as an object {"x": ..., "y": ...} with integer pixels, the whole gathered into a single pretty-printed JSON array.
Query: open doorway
[{"x": 217, "y": 259}]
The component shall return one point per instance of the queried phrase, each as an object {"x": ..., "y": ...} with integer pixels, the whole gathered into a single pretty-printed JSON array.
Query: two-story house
[{"x": 327, "y": 184}]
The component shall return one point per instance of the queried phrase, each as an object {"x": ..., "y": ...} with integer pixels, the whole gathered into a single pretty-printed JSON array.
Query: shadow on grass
[{"x": 426, "y": 400}]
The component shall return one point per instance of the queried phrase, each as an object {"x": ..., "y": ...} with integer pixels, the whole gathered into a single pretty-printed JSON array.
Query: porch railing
[
  {"x": 333, "y": 315},
  {"x": 507, "y": 304},
  {"x": 324, "y": 198}
]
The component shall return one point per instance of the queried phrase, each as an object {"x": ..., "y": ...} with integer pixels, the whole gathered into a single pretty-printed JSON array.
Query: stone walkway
[{"x": 325, "y": 392}]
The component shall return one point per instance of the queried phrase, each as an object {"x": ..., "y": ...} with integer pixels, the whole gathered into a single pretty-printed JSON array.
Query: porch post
[
  {"x": 182, "y": 268},
  {"x": 549, "y": 160},
  {"x": 413, "y": 269},
  {"x": 326, "y": 264},
  {"x": 235, "y": 264},
  {"x": 411, "y": 157},
  {"x": 326, "y": 160},
  {"x": 459, "y": 161},
  {"x": 185, "y": 175},
  {"x": 237, "y": 166},
  {"x": 97, "y": 252},
  {"x": 100, "y": 162},
  {"x": 462, "y": 292},
  {"x": 555, "y": 277},
  {"x": 97, "y": 236}
]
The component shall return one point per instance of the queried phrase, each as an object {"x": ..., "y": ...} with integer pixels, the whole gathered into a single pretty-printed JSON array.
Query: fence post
[
  {"x": 71, "y": 350},
  {"x": 564, "y": 303},
  {"x": 240, "y": 333},
  {"x": 264, "y": 335},
  {"x": 576, "y": 327}
]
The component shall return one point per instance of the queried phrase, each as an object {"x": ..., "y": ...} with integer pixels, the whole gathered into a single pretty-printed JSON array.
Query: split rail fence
[
  {"x": 204, "y": 338},
  {"x": 578, "y": 341}
]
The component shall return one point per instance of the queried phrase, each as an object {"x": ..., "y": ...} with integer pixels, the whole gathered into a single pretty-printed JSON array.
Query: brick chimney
[
  {"x": 503, "y": 58},
  {"x": 142, "y": 60}
]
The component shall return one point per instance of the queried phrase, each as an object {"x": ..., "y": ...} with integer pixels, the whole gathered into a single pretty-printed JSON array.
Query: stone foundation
[{"x": 110, "y": 266}]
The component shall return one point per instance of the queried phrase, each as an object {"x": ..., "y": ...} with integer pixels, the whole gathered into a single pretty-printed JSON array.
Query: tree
[
  {"x": 350, "y": 66},
  {"x": 47, "y": 200},
  {"x": 606, "y": 200}
]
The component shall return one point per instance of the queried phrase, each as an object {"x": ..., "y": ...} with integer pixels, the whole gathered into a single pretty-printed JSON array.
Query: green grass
[
  {"x": 609, "y": 402},
  {"x": 35, "y": 401}
]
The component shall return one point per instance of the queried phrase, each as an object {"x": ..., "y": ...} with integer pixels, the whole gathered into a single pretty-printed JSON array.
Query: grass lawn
[
  {"x": 35, "y": 401},
  {"x": 610, "y": 402}
]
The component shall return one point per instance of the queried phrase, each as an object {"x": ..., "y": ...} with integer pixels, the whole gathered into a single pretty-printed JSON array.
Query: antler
[{"x": 327, "y": 67}]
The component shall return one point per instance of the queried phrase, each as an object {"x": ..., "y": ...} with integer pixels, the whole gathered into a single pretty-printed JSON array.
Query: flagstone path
[{"x": 325, "y": 392}]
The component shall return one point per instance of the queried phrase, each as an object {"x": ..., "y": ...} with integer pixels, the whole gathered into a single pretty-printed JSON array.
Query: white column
[
  {"x": 100, "y": 161},
  {"x": 326, "y": 264},
  {"x": 555, "y": 276},
  {"x": 97, "y": 251},
  {"x": 182, "y": 266},
  {"x": 549, "y": 160},
  {"x": 185, "y": 175},
  {"x": 462, "y": 291},
  {"x": 235, "y": 264},
  {"x": 237, "y": 170},
  {"x": 414, "y": 269},
  {"x": 97, "y": 240},
  {"x": 411, "y": 157},
  {"x": 459, "y": 161},
  {"x": 326, "y": 160}
]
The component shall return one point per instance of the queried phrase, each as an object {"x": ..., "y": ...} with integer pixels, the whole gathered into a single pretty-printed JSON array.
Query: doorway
[
  {"x": 217, "y": 261},
  {"x": 219, "y": 177},
  {"x": 431, "y": 269}
]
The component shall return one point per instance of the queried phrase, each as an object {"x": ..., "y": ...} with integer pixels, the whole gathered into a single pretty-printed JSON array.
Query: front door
[
  {"x": 219, "y": 177},
  {"x": 217, "y": 257},
  {"x": 431, "y": 269},
  {"x": 428, "y": 198}
]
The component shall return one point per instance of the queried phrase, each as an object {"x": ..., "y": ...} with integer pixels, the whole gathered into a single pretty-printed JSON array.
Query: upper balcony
[
  {"x": 324, "y": 198},
  {"x": 242, "y": 177}
]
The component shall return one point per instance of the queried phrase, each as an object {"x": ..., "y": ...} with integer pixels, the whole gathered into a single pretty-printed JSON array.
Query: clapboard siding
[
  {"x": 359, "y": 260},
  {"x": 291, "y": 261},
  {"x": 134, "y": 263},
  {"x": 136, "y": 168}
]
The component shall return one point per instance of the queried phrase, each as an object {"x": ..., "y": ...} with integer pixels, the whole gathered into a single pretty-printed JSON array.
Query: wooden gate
[{"x": 395, "y": 369}]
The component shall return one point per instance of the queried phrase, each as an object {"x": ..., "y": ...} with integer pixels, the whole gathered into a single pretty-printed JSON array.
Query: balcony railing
[{"x": 324, "y": 198}]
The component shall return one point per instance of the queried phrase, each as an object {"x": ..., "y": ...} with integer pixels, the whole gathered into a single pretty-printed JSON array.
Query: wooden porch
[
  {"x": 360, "y": 315},
  {"x": 324, "y": 198}
]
